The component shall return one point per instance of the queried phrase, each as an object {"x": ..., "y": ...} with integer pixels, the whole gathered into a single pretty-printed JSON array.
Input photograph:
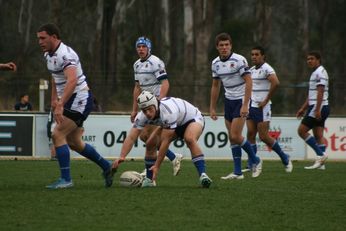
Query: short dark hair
[
  {"x": 22, "y": 95},
  {"x": 51, "y": 29},
  {"x": 260, "y": 48},
  {"x": 316, "y": 54},
  {"x": 222, "y": 37}
]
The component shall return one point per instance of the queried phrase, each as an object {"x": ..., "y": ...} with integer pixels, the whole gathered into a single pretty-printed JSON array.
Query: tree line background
[{"x": 103, "y": 33}]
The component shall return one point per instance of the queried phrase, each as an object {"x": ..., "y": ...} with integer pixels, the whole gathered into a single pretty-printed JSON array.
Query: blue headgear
[{"x": 144, "y": 41}]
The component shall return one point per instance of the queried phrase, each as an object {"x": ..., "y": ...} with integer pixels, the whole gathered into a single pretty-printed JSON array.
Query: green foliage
[{"x": 302, "y": 200}]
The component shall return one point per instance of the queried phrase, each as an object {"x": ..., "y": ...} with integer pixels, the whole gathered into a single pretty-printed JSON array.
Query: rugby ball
[{"x": 131, "y": 179}]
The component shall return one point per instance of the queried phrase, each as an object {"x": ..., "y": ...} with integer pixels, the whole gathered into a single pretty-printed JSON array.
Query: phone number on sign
[{"x": 210, "y": 139}]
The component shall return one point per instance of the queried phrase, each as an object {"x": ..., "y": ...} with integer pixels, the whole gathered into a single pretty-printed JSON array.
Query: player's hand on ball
[
  {"x": 155, "y": 170},
  {"x": 117, "y": 162}
]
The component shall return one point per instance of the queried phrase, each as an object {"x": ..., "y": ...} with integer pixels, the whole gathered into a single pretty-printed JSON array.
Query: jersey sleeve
[
  {"x": 160, "y": 70},
  {"x": 169, "y": 116},
  {"x": 321, "y": 78},
  {"x": 135, "y": 65},
  {"x": 243, "y": 66},
  {"x": 214, "y": 71},
  {"x": 269, "y": 70},
  {"x": 68, "y": 59},
  {"x": 140, "y": 121},
  {"x": 170, "y": 122}
]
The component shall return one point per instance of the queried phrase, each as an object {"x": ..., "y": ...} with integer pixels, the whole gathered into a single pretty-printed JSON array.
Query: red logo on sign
[{"x": 275, "y": 134}]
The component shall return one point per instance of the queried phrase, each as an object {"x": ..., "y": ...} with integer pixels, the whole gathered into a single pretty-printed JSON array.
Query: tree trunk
[
  {"x": 323, "y": 10},
  {"x": 204, "y": 20},
  {"x": 56, "y": 11},
  {"x": 263, "y": 14},
  {"x": 98, "y": 79},
  {"x": 166, "y": 55},
  {"x": 303, "y": 47},
  {"x": 189, "y": 49}
]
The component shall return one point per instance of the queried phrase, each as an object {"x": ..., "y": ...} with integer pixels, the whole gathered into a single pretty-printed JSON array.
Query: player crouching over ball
[{"x": 176, "y": 118}]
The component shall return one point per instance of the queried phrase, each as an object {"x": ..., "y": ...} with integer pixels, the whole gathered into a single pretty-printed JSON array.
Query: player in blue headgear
[{"x": 144, "y": 41}]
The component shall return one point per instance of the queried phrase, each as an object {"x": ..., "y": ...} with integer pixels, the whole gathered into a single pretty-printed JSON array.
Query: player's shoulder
[
  {"x": 267, "y": 67},
  {"x": 154, "y": 59},
  {"x": 166, "y": 101},
  {"x": 169, "y": 102},
  {"x": 140, "y": 119},
  {"x": 237, "y": 57},
  {"x": 319, "y": 73},
  {"x": 216, "y": 60},
  {"x": 136, "y": 62},
  {"x": 320, "y": 69},
  {"x": 64, "y": 50}
]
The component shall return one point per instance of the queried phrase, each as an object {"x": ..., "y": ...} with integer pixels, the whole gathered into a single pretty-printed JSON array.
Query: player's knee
[
  {"x": 301, "y": 132},
  {"x": 77, "y": 147},
  {"x": 143, "y": 137},
  {"x": 72, "y": 146},
  {"x": 264, "y": 137},
  {"x": 190, "y": 141},
  {"x": 57, "y": 138},
  {"x": 236, "y": 139}
]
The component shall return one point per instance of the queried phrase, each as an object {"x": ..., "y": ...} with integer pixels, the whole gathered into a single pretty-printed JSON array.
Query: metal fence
[{"x": 118, "y": 97}]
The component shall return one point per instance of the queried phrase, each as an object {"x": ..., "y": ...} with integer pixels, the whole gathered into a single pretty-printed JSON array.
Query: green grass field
[{"x": 302, "y": 200}]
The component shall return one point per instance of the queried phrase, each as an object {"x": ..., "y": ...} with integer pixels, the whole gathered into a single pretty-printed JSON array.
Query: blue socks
[
  {"x": 199, "y": 162},
  {"x": 254, "y": 148},
  {"x": 249, "y": 150},
  {"x": 236, "y": 153},
  {"x": 63, "y": 156},
  {"x": 311, "y": 141},
  {"x": 322, "y": 147},
  {"x": 90, "y": 153},
  {"x": 170, "y": 155},
  {"x": 148, "y": 164},
  {"x": 284, "y": 157}
]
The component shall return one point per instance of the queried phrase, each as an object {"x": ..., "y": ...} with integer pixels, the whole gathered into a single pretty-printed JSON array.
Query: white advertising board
[
  {"x": 107, "y": 133},
  {"x": 335, "y": 134}
]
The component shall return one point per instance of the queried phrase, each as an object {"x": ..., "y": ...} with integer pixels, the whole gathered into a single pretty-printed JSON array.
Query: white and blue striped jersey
[
  {"x": 174, "y": 112},
  {"x": 231, "y": 72},
  {"x": 149, "y": 73},
  {"x": 318, "y": 77},
  {"x": 63, "y": 57},
  {"x": 260, "y": 83}
]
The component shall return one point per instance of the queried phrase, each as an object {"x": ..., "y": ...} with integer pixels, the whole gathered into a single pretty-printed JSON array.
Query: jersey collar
[
  {"x": 225, "y": 59},
  {"x": 259, "y": 66},
  {"x": 146, "y": 58},
  {"x": 53, "y": 52}
]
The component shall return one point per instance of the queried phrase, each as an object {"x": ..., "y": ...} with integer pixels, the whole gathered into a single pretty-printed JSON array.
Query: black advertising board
[{"x": 16, "y": 135}]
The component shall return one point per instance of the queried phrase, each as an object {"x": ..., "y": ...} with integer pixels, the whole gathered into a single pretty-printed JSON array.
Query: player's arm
[
  {"x": 302, "y": 109},
  {"x": 167, "y": 135},
  {"x": 274, "y": 83},
  {"x": 135, "y": 94},
  {"x": 8, "y": 66},
  {"x": 164, "y": 88},
  {"x": 244, "y": 111},
  {"x": 54, "y": 95},
  {"x": 320, "y": 91},
  {"x": 70, "y": 73},
  {"x": 214, "y": 95},
  {"x": 127, "y": 146}
]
